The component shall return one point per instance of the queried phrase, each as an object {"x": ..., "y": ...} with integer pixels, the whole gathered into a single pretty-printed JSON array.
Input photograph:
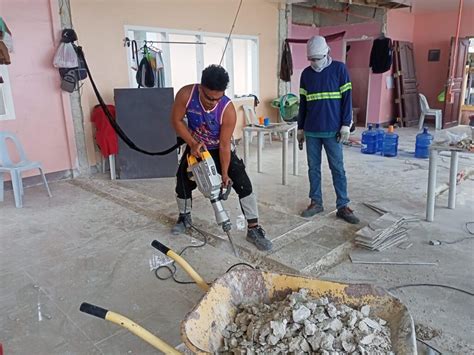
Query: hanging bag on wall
[
  {"x": 69, "y": 81},
  {"x": 65, "y": 56}
]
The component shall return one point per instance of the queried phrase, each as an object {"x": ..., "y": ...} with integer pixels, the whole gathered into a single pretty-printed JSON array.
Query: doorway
[{"x": 357, "y": 57}]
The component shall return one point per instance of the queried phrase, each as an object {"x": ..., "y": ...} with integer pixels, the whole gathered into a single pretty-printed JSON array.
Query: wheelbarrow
[{"x": 202, "y": 328}]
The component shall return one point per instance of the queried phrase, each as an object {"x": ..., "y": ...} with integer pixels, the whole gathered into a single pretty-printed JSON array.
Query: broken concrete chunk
[
  {"x": 372, "y": 324},
  {"x": 335, "y": 325},
  {"x": 301, "y": 325},
  {"x": 273, "y": 340},
  {"x": 332, "y": 310},
  {"x": 309, "y": 328},
  {"x": 295, "y": 344},
  {"x": 367, "y": 340},
  {"x": 300, "y": 314},
  {"x": 279, "y": 328},
  {"x": 315, "y": 340},
  {"x": 348, "y": 346},
  {"x": 327, "y": 341},
  {"x": 365, "y": 310},
  {"x": 345, "y": 335},
  {"x": 304, "y": 346},
  {"x": 323, "y": 301},
  {"x": 352, "y": 320},
  {"x": 363, "y": 327}
]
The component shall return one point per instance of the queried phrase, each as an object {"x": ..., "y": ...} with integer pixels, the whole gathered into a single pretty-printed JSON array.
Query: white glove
[
  {"x": 300, "y": 136},
  {"x": 344, "y": 134}
]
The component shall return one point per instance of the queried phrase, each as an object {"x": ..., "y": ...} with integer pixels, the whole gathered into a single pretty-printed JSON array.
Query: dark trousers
[{"x": 241, "y": 182}]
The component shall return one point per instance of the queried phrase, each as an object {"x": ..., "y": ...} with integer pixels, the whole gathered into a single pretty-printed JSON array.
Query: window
[
  {"x": 183, "y": 63},
  {"x": 7, "y": 111}
]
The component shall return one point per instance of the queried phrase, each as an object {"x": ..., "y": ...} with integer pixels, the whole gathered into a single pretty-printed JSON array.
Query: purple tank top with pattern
[{"x": 205, "y": 125}]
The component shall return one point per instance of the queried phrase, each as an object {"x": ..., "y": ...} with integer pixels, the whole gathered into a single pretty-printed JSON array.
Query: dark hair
[{"x": 215, "y": 77}]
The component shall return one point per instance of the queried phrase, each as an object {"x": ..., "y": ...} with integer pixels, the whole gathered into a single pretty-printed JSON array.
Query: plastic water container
[
  {"x": 390, "y": 143},
  {"x": 380, "y": 134},
  {"x": 423, "y": 142},
  {"x": 369, "y": 141}
]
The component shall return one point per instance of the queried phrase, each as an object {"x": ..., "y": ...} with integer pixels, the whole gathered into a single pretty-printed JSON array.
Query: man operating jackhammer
[{"x": 211, "y": 119}]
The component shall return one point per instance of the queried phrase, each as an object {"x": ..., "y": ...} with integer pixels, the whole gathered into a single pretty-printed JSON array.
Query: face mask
[{"x": 319, "y": 64}]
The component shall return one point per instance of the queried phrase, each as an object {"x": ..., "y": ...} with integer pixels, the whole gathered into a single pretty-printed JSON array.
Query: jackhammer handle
[
  {"x": 228, "y": 190},
  {"x": 93, "y": 310}
]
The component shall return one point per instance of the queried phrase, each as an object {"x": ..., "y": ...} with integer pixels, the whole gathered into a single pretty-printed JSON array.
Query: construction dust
[{"x": 300, "y": 324}]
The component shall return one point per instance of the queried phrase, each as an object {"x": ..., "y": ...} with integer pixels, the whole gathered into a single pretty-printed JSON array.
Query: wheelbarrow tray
[{"x": 202, "y": 328}]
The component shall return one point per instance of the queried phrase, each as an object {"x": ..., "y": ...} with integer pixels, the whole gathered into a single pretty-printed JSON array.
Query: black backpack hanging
[{"x": 145, "y": 75}]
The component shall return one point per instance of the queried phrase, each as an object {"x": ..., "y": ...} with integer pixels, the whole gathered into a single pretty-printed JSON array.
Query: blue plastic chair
[{"x": 15, "y": 169}]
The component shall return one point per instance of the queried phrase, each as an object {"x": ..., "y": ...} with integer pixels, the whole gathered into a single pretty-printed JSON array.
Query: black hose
[{"x": 113, "y": 123}]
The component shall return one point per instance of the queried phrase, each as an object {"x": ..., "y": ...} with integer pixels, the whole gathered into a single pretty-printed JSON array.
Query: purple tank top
[{"x": 205, "y": 125}]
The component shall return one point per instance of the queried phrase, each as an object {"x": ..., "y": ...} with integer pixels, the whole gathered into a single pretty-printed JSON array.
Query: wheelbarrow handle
[
  {"x": 130, "y": 325},
  {"x": 183, "y": 263},
  {"x": 93, "y": 310}
]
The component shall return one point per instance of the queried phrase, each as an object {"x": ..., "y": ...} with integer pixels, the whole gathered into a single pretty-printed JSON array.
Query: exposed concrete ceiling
[
  {"x": 439, "y": 5},
  {"x": 323, "y": 13}
]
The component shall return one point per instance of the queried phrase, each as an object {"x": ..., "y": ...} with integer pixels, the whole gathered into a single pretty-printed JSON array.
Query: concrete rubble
[{"x": 300, "y": 324}]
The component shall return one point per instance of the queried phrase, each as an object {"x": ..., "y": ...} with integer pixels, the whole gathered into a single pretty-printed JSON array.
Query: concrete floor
[{"x": 91, "y": 242}]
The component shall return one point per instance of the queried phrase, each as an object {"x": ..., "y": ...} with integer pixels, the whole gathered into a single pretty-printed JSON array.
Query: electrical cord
[
  {"x": 468, "y": 230},
  {"x": 431, "y": 285},
  {"x": 113, "y": 123},
  {"x": 428, "y": 345},
  {"x": 230, "y": 33},
  {"x": 238, "y": 264},
  {"x": 467, "y": 227},
  {"x": 172, "y": 267}
]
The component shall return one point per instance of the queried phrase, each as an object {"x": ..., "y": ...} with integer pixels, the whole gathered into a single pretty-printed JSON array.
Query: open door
[
  {"x": 452, "y": 108},
  {"x": 409, "y": 85}
]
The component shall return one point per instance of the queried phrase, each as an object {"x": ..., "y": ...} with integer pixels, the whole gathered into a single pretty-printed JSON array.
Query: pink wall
[
  {"x": 357, "y": 64},
  {"x": 39, "y": 104},
  {"x": 434, "y": 31},
  {"x": 298, "y": 52},
  {"x": 352, "y": 32},
  {"x": 359, "y": 31}
]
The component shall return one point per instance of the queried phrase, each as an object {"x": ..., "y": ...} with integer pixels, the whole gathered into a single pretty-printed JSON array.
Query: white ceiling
[{"x": 438, "y": 5}]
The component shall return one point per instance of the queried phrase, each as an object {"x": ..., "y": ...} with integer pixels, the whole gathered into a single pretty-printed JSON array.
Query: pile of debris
[
  {"x": 299, "y": 325},
  {"x": 385, "y": 232}
]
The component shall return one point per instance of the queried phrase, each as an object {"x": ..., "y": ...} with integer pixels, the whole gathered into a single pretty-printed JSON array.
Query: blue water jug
[
  {"x": 380, "y": 134},
  {"x": 390, "y": 143},
  {"x": 423, "y": 142},
  {"x": 369, "y": 141}
]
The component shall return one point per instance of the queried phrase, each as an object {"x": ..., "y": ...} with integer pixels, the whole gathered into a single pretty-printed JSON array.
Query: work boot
[
  {"x": 347, "y": 215},
  {"x": 184, "y": 222},
  {"x": 312, "y": 210},
  {"x": 256, "y": 235}
]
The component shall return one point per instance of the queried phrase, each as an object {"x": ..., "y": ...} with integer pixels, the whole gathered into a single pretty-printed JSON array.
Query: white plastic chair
[
  {"x": 427, "y": 111},
  {"x": 15, "y": 169},
  {"x": 251, "y": 118}
]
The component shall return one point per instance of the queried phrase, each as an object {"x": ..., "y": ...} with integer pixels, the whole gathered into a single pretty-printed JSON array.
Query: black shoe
[
  {"x": 256, "y": 235},
  {"x": 347, "y": 215},
  {"x": 312, "y": 210},
  {"x": 184, "y": 222}
]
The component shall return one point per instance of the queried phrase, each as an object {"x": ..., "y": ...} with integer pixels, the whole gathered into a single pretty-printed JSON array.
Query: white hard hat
[{"x": 316, "y": 47}]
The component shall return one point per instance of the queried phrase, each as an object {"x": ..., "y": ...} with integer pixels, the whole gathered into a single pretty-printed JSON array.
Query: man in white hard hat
[{"x": 324, "y": 120}]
